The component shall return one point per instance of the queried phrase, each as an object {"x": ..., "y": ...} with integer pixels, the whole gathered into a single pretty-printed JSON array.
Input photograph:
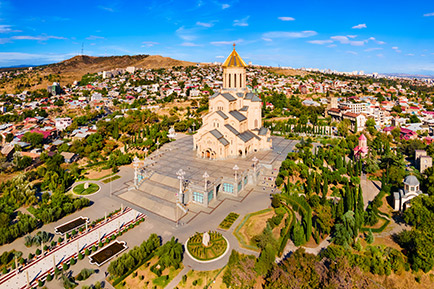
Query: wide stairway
[{"x": 156, "y": 194}]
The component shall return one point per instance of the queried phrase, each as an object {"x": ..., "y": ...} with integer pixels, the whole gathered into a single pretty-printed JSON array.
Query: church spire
[{"x": 234, "y": 60}]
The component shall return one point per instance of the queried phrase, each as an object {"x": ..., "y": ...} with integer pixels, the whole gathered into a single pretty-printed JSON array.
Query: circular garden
[
  {"x": 82, "y": 190},
  {"x": 217, "y": 246}
]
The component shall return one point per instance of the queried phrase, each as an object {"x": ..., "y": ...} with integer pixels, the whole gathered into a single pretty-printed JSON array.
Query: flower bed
[
  {"x": 216, "y": 247},
  {"x": 228, "y": 221}
]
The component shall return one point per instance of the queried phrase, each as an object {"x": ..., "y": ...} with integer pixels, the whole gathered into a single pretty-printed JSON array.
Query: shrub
[
  {"x": 93, "y": 248},
  {"x": 80, "y": 256},
  {"x": 184, "y": 278},
  {"x": 40, "y": 283},
  {"x": 38, "y": 251},
  {"x": 100, "y": 244},
  {"x": 86, "y": 252},
  {"x": 49, "y": 277},
  {"x": 72, "y": 262},
  {"x": 194, "y": 283},
  {"x": 65, "y": 267}
]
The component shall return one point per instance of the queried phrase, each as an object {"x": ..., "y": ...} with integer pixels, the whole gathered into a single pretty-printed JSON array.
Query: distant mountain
[
  {"x": 406, "y": 75},
  {"x": 67, "y": 71}
]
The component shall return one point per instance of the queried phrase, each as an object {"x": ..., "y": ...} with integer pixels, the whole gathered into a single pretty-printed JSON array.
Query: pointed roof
[
  {"x": 362, "y": 137},
  {"x": 234, "y": 60}
]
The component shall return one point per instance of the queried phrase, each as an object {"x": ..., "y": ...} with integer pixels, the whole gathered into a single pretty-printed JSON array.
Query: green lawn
[
  {"x": 79, "y": 189},
  {"x": 111, "y": 179},
  {"x": 228, "y": 221}
]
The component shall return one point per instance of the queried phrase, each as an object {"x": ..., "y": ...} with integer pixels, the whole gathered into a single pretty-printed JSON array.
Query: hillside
[{"x": 67, "y": 71}]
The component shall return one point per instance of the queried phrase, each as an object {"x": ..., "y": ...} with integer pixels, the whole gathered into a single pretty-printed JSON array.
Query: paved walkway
[
  {"x": 65, "y": 251},
  {"x": 291, "y": 248}
]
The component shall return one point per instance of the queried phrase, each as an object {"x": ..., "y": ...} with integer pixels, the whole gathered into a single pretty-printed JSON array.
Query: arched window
[
  {"x": 235, "y": 80},
  {"x": 229, "y": 80},
  {"x": 256, "y": 123}
]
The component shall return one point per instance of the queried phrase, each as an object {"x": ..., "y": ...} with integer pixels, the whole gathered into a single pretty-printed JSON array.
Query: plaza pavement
[
  {"x": 106, "y": 200},
  {"x": 65, "y": 251}
]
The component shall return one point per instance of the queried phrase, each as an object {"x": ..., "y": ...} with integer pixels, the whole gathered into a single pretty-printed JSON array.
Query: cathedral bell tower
[{"x": 234, "y": 73}]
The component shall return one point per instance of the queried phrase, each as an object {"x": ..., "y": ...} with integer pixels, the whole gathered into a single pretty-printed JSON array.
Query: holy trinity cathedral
[{"x": 233, "y": 126}]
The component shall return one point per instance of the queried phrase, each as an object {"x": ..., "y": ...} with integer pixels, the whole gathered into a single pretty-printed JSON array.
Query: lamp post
[
  {"x": 255, "y": 162},
  {"x": 158, "y": 144},
  {"x": 180, "y": 175},
  {"x": 205, "y": 176},
  {"x": 194, "y": 126},
  {"x": 236, "y": 168},
  {"x": 136, "y": 165}
]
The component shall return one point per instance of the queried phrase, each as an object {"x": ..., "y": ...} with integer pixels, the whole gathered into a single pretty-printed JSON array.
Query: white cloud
[
  {"x": 410, "y": 54},
  {"x": 320, "y": 42},
  {"x": 395, "y": 47},
  {"x": 109, "y": 9},
  {"x": 220, "y": 56},
  {"x": 242, "y": 22},
  {"x": 94, "y": 37},
  {"x": 225, "y": 6},
  {"x": 11, "y": 57},
  {"x": 286, "y": 18},
  {"x": 360, "y": 26},
  {"x": 190, "y": 44},
  {"x": 186, "y": 34},
  {"x": 218, "y": 43},
  {"x": 428, "y": 14},
  {"x": 7, "y": 29},
  {"x": 332, "y": 45},
  {"x": 346, "y": 40},
  {"x": 150, "y": 43},
  {"x": 380, "y": 55},
  {"x": 38, "y": 38},
  {"x": 267, "y": 39},
  {"x": 351, "y": 52},
  {"x": 377, "y": 41},
  {"x": 204, "y": 24},
  {"x": 285, "y": 34},
  {"x": 373, "y": 49},
  {"x": 351, "y": 36}
]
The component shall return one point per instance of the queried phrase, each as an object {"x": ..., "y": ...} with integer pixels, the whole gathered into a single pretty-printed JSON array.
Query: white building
[
  {"x": 403, "y": 197},
  {"x": 62, "y": 123}
]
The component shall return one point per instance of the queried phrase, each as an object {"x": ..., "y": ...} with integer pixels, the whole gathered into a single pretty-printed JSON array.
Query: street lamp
[
  {"x": 180, "y": 175},
  {"x": 255, "y": 161},
  {"x": 236, "y": 168},
  {"x": 158, "y": 144},
  {"x": 136, "y": 165},
  {"x": 206, "y": 176},
  {"x": 194, "y": 126}
]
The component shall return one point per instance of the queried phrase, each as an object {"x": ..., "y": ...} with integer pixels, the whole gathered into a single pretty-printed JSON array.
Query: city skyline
[{"x": 382, "y": 37}]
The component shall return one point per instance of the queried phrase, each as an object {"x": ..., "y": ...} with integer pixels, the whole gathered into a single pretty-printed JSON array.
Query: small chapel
[{"x": 233, "y": 125}]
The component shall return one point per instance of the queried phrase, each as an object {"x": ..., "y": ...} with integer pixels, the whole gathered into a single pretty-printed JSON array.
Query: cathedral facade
[{"x": 233, "y": 125}]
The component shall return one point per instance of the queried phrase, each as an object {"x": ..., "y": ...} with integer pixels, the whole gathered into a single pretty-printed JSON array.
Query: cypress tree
[
  {"x": 325, "y": 189},
  {"x": 340, "y": 209}
]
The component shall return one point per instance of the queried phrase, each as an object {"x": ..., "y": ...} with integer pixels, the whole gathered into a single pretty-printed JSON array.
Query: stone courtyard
[{"x": 157, "y": 193}]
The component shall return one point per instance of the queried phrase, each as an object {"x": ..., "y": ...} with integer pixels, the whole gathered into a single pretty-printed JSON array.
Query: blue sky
[{"x": 373, "y": 36}]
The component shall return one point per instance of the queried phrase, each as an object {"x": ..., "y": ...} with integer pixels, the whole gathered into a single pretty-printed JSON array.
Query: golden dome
[{"x": 234, "y": 60}]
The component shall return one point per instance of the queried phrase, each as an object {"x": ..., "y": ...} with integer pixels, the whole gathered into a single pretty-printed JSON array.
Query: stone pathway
[
  {"x": 290, "y": 248},
  {"x": 44, "y": 264}
]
